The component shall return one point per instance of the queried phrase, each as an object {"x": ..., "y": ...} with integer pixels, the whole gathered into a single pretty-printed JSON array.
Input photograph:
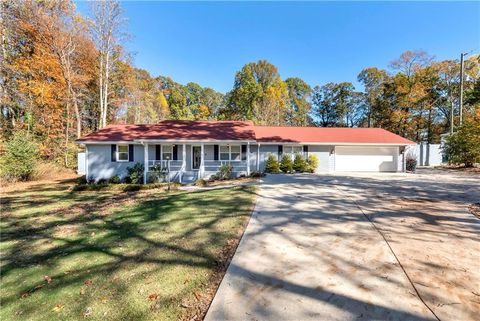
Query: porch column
[
  {"x": 145, "y": 164},
  {"x": 202, "y": 164},
  {"x": 258, "y": 157},
  {"x": 248, "y": 158},
  {"x": 86, "y": 162},
  {"x": 184, "y": 161}
]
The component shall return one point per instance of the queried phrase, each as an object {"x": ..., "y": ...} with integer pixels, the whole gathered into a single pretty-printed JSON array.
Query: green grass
[{"x": 113, "y": 255}]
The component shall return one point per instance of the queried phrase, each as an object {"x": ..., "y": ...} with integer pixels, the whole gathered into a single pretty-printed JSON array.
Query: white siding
[{"x": 100, "y": 165}]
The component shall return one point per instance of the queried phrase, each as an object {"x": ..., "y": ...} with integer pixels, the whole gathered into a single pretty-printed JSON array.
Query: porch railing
[
  {"x": 213, "y": 165},
  {"x": 175, "y": 165}
]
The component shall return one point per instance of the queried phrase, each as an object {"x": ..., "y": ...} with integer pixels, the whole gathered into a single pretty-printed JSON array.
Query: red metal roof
[
  {"x": 176, "y": 129},
  {"x": 338, "y": 135},
  {"x": 243, "y": 130}
]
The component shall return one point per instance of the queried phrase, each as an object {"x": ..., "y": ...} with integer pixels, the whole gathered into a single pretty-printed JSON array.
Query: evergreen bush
[
  {"x": 300, "y": 165},
  {"x": 286, "y": 165},
  {"x": 272, "y": 165},
  {"x": 18, "y": 162},
  {"x": 312, "y": 163}
]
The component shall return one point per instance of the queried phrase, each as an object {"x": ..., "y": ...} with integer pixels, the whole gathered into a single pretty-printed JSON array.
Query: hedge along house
[{"x": 196, "y": 149}]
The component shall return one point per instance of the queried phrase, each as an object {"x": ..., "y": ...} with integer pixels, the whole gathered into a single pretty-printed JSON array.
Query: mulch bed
[
  {"x": 461, "y": 168},
  {"x": 475, "y": 209}
]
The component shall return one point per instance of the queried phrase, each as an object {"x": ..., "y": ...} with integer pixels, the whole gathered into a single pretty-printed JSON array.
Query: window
[
  {"x": 167, "y": 152},
  {"x": 224, "y": 153},
  {"x": 292, "y": 150},
  {"x": 122, "y": 153},
  {"x": 235, "y": 153},
  {"x": 230, "y": 152}
]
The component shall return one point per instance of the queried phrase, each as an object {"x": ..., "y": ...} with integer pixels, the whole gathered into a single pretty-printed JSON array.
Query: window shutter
[
  {"x": 130, "y": 153},
  {"x": 215, "y": 152},
  {"x": 280, "y": 151},
  {"x": 157, "y": 152},
  {"x": 175, "y": 152},
  {"x": 305, "y": 150},
  {"x": 244, "y": 152},
  {"x": 114, "y": 152}
]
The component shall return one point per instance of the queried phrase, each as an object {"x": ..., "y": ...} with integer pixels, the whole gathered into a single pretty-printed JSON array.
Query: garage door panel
[{"x": 365, "y": 159}]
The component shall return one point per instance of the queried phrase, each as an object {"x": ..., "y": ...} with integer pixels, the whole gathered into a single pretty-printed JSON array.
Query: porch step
[{"x": 189, "y": 177}]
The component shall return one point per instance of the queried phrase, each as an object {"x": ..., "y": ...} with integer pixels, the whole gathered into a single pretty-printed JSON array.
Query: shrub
[
  {"x": 225, "y": 172},
  {"x": 18, "y": 162},
  {"x": 286, "y": 165},
  {"x": 256, "y": 174},
  {"x": 272, "y": 165},
  {"x": 114, "y": 180},
  {"x": 312, "y": 163},
  {"x": 156, "y": 174},
  {"x": 463, "y": 147},
  {"x": 82, "y": 180},
  {"x": 201, "y": 182},
  {"x": 410, "y": 163},
  {"x": 300, "y": 164},
  {"x": 102, "y": 181},
  {"x": 135, "y": 173}
]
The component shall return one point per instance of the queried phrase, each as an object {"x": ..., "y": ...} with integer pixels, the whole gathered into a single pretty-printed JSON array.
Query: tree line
[{"x": 64, "y": 75}]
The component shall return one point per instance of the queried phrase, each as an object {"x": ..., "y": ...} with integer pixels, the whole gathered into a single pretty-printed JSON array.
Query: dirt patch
[
  {"x": 475, "y": 209},
  {"x": 9, "y": 187}
]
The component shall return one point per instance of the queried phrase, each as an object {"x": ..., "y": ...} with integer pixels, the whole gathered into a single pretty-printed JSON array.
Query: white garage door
[{"x": 366, "y": 159}]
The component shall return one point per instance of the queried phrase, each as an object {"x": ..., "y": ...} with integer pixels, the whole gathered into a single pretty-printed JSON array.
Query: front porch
[{"x": 187, "y": 162}]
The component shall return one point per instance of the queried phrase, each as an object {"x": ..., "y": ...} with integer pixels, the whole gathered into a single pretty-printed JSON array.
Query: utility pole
[{"x": 462, "y": 55}]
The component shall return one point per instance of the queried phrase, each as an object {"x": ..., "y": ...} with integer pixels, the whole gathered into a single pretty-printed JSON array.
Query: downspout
[{"x": 258, "y": 157}]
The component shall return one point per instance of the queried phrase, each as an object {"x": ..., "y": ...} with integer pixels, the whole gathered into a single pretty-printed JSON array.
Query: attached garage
[{"x": 366, "y": 159}]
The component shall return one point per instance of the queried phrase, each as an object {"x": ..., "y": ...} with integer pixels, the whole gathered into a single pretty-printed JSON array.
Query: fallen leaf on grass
[
  {"x": 47, "y": 278},
  {"x": 88, "y": 282},
  {"x": 58, "y": 307},
  {"x": 104, "y": 300},
  {"x": 25, "y": 295},
  {"x": 197, "y": 295},
  {"x": 38, "y": 287},
  {"x": 82, "y": 291},
  {"x": 155, "y": 307},
  {"x": 87, "y": 313},
  {"x": 154, "y": 297}
]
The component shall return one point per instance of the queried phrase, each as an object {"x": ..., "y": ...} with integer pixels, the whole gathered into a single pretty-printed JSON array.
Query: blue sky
[{"x": 320, "y": 42}]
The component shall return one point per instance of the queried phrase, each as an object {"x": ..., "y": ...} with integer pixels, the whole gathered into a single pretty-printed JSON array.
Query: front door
[{"x": 196, "y": 157}]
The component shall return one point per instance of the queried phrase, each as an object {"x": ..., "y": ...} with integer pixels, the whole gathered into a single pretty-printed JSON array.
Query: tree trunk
[
  {"x": 100, "y": 88},
  {"x": 67, "y": 127},
  {"x": 105, "y": 92}
]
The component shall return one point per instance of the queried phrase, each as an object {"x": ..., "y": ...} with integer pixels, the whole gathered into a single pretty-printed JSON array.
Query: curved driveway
[{"x": 309, "y": 253}]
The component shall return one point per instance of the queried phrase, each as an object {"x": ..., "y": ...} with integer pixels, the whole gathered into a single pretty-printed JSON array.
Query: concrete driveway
[{"x": 310, "y": 253}]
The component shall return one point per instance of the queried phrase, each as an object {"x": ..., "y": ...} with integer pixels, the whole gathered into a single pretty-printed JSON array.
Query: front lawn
[{"x": 110, "y": 255}]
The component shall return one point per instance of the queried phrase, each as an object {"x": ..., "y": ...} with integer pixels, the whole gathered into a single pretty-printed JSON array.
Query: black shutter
[
  {"x": 130, "y": 153},
  {"x": 215, "y": 152},
  {"x": 157, "y": 152},
  {"x": 280, "y": 151},
  {"x": 244, "y": 152},
  {"x": 175, "y": 152},
  {"x": 305, "y": 150},
  {"x": 114, "y": 152}
]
